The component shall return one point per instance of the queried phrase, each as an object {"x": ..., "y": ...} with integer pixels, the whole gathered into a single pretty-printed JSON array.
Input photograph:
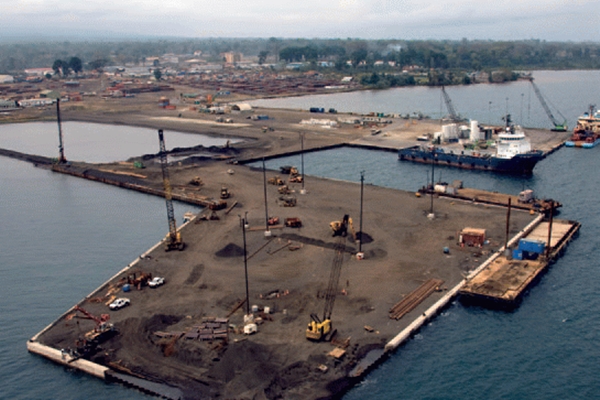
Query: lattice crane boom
[{"x": 173, "y": 237}]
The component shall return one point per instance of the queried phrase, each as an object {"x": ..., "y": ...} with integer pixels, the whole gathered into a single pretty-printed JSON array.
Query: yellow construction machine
[
  {"x": 340, "y": 228},
  {"x": 321, "y": 329}
]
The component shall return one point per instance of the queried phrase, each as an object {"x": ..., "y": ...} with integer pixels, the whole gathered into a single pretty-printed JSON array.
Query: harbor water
[{"x": 62, "y": 236}]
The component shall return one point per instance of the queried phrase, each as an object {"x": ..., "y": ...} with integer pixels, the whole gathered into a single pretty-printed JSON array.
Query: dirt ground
[{"x": 288, "y": 272}]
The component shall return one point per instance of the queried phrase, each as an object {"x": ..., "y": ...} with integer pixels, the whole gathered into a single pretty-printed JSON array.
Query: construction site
[{"x": 285, "y": 285}]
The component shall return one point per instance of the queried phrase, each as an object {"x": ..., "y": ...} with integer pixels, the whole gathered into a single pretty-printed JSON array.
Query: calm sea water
[
  {"x": 94, "y": 143},
  {"x": 567, "y": 93},
  {"x": 61, "y": 236}
]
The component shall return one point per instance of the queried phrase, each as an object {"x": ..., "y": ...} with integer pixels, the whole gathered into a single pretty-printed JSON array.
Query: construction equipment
[
  {"x": 558, "y": 127},
  {"x": 287, "y": 201},
  {"x": 284, "y": 189},
  {"x": 276, "y": 180},
  {"x": 225, "y": 192},
  {"x": 452, "y": 115},
  {"x": 340, "y": 228},
  {"x": 196, "y": 181},
  {"x": 320, "y": 329},
  {"x": 293, "y": 222},
  {"x": 101, "y": 332},
  {"x": 173, "y": 240}
]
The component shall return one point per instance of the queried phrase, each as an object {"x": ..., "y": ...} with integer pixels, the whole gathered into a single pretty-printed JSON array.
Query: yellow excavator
[
  {"x": 340, "y": 228},
  {"x": 320, "y": 328}
]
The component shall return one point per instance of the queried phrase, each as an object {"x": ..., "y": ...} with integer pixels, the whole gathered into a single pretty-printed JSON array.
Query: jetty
[{"x": 231, "y": 319}]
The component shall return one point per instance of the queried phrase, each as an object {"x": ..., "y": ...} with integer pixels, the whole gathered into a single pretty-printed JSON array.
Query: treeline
[
  {"x": 471, "y": 55},
  {"x": 464, "y": 54}
]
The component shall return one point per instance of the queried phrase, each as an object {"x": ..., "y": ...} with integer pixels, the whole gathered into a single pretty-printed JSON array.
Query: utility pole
[
  {"x": 243, "y": 222},
  {"x": 267, "y": 232},
  {"x": 61, "y": 149},
  {"x": 360, "y": 234},
  {"x": 302, "y": 191},
  {"x": 433, "y": 155}
]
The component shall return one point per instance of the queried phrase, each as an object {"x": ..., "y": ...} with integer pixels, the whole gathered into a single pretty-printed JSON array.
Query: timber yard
[{"x": 363, "y": 278}]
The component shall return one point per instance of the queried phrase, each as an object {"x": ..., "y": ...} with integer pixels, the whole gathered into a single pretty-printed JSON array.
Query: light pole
[
  {"x": 433, "y": 155},
  {"x": 243, "y": 222},
  {"x": 267, "y": 232},
  {"x": 302, "y": 191},
  {"x": 360, "y": 234}
]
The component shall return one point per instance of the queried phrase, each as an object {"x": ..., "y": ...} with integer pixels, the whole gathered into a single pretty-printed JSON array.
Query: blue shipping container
[
  {"x": 532, "y": 246},
  {"x": 517, "y": 254}
]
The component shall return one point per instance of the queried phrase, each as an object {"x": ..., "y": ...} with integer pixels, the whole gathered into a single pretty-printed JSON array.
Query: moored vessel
[
  {"x": 587, "y": 132},
  {"x": 513, "y": 154}
]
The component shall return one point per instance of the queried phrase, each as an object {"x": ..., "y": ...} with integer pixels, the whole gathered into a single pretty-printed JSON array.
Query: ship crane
[
  {"x": 173, "y": 239},
  {"x": 558, "y": 127},
  {"x": 453, "y": 116},
  {"x": 319, "y": 329}
]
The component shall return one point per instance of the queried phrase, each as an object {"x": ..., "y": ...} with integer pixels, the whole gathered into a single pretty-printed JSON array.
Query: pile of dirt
[
  {"x": 245, "y": 365},
  {"x": 230, "y": 250}
]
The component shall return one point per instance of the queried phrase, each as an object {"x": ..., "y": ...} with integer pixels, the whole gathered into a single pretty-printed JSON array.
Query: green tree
[
  {"x": 98, "y": 64},
  {"x": 75, "y": 64},
  {"x": 157, "y": 74},
  {"x": 57, "y": 66},
  {"x": 262, "y": 57}
]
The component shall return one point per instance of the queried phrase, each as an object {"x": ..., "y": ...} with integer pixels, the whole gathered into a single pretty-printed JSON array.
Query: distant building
[
  {"x": 294, "y": 65},
  {"x": 6, "y": 79},
  {"x": 8, "y": 104},
  {"x": 39, "y": 71},
  {"x": 232, "y": 57},
  {"x": 36, "y": 102}
]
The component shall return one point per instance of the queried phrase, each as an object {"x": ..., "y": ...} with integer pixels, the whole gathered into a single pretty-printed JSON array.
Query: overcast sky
[{"x": 551, "y": 20}]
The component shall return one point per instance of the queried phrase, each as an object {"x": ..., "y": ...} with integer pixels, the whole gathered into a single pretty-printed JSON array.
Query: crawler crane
[
  {"x": 173, "y": 239},
  {"x": 319, "y": 329}
]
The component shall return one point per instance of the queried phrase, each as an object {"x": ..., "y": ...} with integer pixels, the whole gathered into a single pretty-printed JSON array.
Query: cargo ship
[
  {"x": 513, "y": 154},
  {"x": 587, "y": 132}
]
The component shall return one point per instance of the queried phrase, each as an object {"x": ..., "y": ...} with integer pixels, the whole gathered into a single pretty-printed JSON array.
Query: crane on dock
[
  {"x": 61, "y": 148},
  {"x": 319, "y": 328},
  {"x": 452, "y": 114},
  {"x": 558, "y": 127},
  {"x": 173, "y": 240}
]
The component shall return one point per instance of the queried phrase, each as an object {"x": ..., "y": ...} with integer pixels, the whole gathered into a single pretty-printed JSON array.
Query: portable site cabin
[{"x": 471, "y": 237}]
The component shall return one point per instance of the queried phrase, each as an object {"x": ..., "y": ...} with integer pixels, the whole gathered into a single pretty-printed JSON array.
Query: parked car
[
  {"x": 156, "y": 282},
  {"x": 119, "y": 303}
]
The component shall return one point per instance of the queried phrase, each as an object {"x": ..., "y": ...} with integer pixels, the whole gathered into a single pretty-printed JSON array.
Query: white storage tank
[
  {"x": 449, "y": 132},
  {"x": 476, "y": 134}
]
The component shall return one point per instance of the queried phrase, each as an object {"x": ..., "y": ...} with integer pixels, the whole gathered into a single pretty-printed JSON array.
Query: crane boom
[
  {"x": 173, "y": 237},
  {"x": 453, "y": 115},
  {"x": 557, "y": 125},
  {"x": 334, "y": 278}
]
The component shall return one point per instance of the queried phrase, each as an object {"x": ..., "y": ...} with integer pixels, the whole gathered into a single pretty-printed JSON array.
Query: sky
[{"x": 550, "y": 20}]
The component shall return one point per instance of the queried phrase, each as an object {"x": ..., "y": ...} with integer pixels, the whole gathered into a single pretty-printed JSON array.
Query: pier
[{"x": 411, "y": 266}]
